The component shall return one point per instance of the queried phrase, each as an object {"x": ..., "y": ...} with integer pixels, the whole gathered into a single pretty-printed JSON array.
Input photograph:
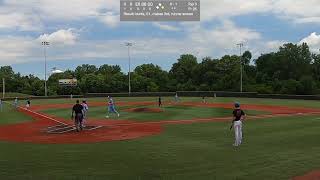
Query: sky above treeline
[{"x": 90, "y": 32}]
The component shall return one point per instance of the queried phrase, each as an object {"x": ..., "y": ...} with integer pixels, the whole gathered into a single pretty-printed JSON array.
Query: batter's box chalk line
[{"x": 61, "y": 127}]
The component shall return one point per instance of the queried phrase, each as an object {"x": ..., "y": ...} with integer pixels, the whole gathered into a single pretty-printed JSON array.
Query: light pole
[
  {"x": 241, "y": 75},
  {"x": 129, "y": 45},
  {"x": 45, "y": 44},
  {"x": 3, "y": 88}
]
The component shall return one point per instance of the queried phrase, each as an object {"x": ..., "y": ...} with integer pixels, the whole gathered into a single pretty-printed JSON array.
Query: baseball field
[{"x": 189, "y": 139}]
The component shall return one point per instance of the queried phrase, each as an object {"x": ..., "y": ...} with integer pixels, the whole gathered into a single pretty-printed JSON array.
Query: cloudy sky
[{"x": 90, "y": 31}]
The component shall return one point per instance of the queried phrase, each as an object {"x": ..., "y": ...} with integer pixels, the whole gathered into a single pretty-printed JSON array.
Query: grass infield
[{"x": 9, "y": 115}]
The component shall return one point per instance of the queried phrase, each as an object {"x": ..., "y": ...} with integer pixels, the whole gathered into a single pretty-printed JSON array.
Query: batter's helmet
[{"x": 236, "y": 104}]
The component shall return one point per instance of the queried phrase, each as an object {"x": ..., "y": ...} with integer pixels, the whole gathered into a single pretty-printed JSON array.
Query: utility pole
[
  {"x": 129, "y": 45},
  {"x": 3, "y": 88},
  {"x": 45, "y": 44},
  {"x": 241, "y": 68}
]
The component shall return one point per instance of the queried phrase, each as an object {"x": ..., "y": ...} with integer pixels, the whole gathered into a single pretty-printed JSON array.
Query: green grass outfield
[
  {"x": 274, "y": 148},
  {"x": 10, "y": 116},
  {"x": 279, "y": 102}
]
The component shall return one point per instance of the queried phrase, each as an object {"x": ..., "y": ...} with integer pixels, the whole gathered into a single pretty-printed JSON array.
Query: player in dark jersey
[
  {"x": 160, "y": 101},
  {"x": 28, "y": 105},
  {"x": 203, "y": 99},
  {"x": 78, "y": 110},
  {"x": 238, "y": 117}
]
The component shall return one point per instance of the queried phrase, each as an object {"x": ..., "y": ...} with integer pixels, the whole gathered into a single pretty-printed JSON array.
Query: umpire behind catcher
[{"x": 78, "y": 110}]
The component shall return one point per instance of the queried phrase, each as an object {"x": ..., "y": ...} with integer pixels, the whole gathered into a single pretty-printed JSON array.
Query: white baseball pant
[{"x": 237, "y": 125}]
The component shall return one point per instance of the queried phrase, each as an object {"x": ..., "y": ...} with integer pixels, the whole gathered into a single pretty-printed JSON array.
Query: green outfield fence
[
  {"x": 43, "y": 97},
  {"x": 133, "y": 94},
  {"x": 181, "y": 94},
  {"x": 206, "y": 94},
  {"x": 283, "y": 96}
]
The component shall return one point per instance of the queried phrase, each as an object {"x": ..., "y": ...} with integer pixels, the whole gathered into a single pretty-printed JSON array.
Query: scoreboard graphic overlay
[{"x": 160, "y": 10}]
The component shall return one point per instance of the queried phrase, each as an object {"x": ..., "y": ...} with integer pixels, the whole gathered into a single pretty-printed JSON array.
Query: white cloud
[
  {"x": 216, "y": 41},
  {"x": 201, "y": 42},
  {"x": 110, "y": 19},
  {"x": 16, "y": 49},
  {"x": 65, "y": 9},
  {"x": 60, "y": 37},
  {"x": 274, "y": 45},
  {"x": 228, "y": 8},
  {"x": 31, "y": 14},
  {"x": 20, "y": 49},
  {"x": 264, "y": 46},
  {"x": 17, "y": 20},
  {"x": 298, "y": 11},
  {"x": 223, "y": 37},
  {"x": 313, "y": 40},
  {"x": 308, "y": 20},
  {"x": 306, "y": 11},
  {"x": 165, "y": 27}
]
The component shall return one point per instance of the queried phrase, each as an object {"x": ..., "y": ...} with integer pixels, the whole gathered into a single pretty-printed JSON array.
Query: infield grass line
[{"x": 42, "y": 115}]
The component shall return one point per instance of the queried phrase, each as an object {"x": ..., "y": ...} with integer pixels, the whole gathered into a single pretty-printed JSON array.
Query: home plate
[{"x": 61, "y": 129}]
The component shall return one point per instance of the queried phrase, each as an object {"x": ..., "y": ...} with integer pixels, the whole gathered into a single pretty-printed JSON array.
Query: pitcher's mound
[{"x": 150, "y": 110}]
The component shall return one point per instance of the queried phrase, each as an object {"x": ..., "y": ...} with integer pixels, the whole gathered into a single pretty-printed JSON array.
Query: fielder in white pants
[
  {"x": 84, "y": 112},
  {"x": 238, "y": 117}
]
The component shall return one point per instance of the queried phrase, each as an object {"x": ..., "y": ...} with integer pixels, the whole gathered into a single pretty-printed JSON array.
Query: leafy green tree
[
  {"x": 293, "y": 69},
  {"x": 108, "y": 70},
  {"x": 308, "y": 85},
  {"x": 316, "y": 66},
  {"x": 246, "y": 57},
  {"x": 182, "y": 71},
  {"x": 157, "y": 78},
  {"x": 206, "y": 74},
  {"x": 7, "y": 73},
  {"x": 143, "y": 84},
  {"x": 114, "y": 80},
  {"x": 118, "y": 83},
  {"x": 229, "y": 73},
  {"x": 85, "y": 69}
]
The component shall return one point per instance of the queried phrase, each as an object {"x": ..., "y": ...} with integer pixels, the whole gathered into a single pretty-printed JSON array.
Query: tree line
[{"x": 293, "y": 69}]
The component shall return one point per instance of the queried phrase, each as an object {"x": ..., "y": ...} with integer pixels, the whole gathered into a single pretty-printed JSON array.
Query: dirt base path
[
  {"x": 115, "y": 130},
  {"x": 314, "y": 175}
]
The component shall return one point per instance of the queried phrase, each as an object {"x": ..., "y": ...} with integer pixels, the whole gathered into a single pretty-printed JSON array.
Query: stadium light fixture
[
  {"x": 3, "y": 88},
  {"x": 45, "y": 44},
  {"x": 241, "y": 68},
  {"x": 128, "y": 44}
]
